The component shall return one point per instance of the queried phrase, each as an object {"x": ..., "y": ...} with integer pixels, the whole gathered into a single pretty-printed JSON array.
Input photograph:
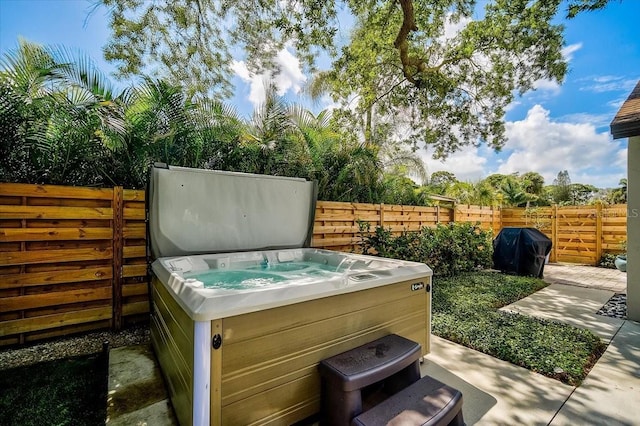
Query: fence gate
[{"x": 578, "y": 234}]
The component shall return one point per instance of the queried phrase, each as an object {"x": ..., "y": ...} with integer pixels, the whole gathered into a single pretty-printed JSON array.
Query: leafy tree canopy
[
  {"x": 578, "y": 6},
  {"x": 533, "y": 183},
  {"x": 404, "y": 59},
  {"x": 497, "y": 180},
  {"x": 581, "y": 193},
  {"x": 562, "y": 190},
  {"x": 190, "y": 42},
  {"x": 442, "y": 178}
]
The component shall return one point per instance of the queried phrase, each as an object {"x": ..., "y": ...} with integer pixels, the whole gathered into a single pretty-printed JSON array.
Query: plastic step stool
[
  {"x": 392, "y": 359},
  {"x": 425, "y": 402}
]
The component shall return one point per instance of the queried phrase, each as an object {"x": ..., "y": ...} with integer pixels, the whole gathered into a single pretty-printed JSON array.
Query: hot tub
[{"x": 239, "y": 333}]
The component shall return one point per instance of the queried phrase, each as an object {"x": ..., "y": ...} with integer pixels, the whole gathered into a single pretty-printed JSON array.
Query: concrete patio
[{"x": 495, "y": 392}]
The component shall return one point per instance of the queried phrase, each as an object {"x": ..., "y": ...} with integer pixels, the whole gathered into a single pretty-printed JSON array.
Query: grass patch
[
  {"x": 69, "y": 391},
  {"x": 465, "y": 311}
]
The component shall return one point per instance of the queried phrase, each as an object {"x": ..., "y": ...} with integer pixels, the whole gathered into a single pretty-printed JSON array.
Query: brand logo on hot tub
[{"x": 417, "y": 286}]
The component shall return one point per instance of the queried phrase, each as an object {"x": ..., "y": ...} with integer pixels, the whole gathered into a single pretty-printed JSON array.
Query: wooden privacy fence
[
  {"x": 336, "y": 224},
  {"x": 74, "y": 259},
  {"x": 580, "y": 234},
  {"x": 71, "y": 260}
]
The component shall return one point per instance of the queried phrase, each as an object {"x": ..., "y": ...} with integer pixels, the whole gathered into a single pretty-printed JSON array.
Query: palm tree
[
  {"x": 484, "y": 194},
  {"x": 513, "y": 194},
  {"x": 62, "y": 111},
  {"x": 619, "y": 195},
  {"x": 478, "y": 193},
  {"x": 273, "y": 138},
  {"x": 356, "y": 174},
  {"x": 396, "y": 154},
  {"x": 320, "y": 140},
  {"x": 461, "y": 191}
]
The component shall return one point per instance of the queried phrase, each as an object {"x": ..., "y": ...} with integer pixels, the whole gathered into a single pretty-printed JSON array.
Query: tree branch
[{"x": 401, "y": 43}]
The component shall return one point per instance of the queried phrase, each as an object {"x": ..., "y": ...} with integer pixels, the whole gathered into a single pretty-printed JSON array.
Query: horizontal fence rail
[
  {"x": 71, "y": 260},
  {"x": 74, "y": 259}
]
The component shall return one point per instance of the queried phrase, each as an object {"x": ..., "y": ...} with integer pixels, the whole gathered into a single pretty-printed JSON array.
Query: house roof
[
  {"x": 627, "y": 122},
  {"x": 442, "y": 198}
]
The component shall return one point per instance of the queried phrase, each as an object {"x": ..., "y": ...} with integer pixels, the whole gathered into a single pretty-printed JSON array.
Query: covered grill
[{"x": 521, "y": 251}]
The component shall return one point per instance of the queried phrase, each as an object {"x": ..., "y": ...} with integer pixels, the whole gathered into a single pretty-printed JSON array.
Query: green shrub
[
  {"x": 448, "y": 249},
  {"x": 607, "y": 261}
]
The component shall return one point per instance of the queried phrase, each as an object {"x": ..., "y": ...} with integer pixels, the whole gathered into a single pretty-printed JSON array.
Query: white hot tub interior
[{"x": 216, "y": 285}]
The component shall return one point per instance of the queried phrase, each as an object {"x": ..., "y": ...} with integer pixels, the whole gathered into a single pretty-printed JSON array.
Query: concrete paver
[
  {"x": 610, "y": 395},
  {"x": 572, "y": 305},
  {"x": 494, "y": 392},
  {"x": 586, "y": 276},
  {"x": 136, "y": 392}
]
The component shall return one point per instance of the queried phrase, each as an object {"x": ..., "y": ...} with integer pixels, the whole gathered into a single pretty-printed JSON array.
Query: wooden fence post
[
  {"x": 118, "y": 243},
  {"x": 598, "y": 233},
  {"x": 23, "y": 269},
  {"x": 437, "y": 214},
  {"x": 381, "y": 215},
  {"x": 554, "y": 234},
  {"x": 493, "y": 219}
]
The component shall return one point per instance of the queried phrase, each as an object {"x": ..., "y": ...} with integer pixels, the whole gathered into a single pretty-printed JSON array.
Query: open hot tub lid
[{"x": 194, "y": 211}]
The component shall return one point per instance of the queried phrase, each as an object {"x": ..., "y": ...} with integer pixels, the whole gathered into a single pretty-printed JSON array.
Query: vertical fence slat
[
  {"x": 598, "y": 232},
  {"x": 23, "y": 268},
  {"x": 118, "y": 249},
  {"x": 554, "y": 234}
]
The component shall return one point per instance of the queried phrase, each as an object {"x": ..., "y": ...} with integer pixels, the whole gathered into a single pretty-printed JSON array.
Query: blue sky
[{"x": 551, "y": 129}]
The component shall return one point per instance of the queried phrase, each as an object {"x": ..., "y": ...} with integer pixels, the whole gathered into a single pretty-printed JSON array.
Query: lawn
[
  {"x": 465, "y": 311},
  {"x": 69, "y": 391}
]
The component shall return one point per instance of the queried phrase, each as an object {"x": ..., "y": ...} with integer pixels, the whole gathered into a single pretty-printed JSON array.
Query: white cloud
[
  {"x": 540, "y": 144},
  {"x": 467, "y": 164},
  {"x": 621, "y": 159},
  {"x": 328, "y": 103},
  {"x": 568, "y": 51},
  {"x": 609, "y": 83},
  {"x": 452, "y": 29},
  {"x": 289, "y": 77},
  {"x": 551, "y": 87},
  {"x": 605, "y": 78},
  {"x": 617, "y": 103},
  {"x": 598, "y": 120},
  {"x": 241, "y": 70}
]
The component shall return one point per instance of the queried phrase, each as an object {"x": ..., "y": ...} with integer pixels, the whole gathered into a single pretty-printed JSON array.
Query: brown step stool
[
  {"x": 392, "y": 361},
  {"x": 426, "y": 402}
]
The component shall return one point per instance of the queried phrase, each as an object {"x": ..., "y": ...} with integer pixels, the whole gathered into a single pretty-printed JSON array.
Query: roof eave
[
  {"x": 627, "y": 129},
  {"x": 626, "y": 123}
]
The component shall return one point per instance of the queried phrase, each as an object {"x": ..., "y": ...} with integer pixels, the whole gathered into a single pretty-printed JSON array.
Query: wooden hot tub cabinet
[{"x": 265, "y": 367}]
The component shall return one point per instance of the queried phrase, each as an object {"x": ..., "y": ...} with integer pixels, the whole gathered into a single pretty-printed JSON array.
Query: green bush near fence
[
  {"x": 607, "y": 261},
  {"x": 448, "y": 249}
]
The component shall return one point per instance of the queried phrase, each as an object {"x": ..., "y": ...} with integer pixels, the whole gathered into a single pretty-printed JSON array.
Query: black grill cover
[{"x": 521, "y": 251}]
